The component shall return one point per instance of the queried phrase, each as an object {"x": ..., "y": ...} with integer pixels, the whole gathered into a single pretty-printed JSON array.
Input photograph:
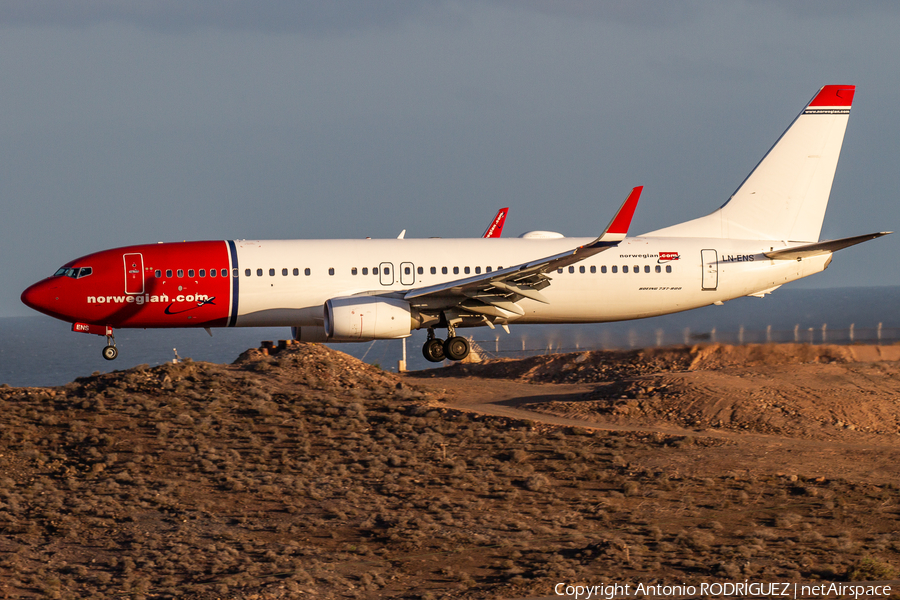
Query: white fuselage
[{"x": 641, "y": 277}]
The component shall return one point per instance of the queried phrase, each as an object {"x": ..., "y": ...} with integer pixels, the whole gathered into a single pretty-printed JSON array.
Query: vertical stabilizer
[{"x": 785, "y": 196}]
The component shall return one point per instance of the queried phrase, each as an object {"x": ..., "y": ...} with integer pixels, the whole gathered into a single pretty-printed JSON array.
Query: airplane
[{"x": 765, "y": 235}]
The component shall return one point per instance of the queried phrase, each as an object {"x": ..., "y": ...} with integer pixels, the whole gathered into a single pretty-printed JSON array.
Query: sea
[{"x": 41, "y": 351}]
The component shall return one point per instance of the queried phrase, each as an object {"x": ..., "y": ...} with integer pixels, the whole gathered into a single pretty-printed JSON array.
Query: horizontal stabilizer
[{"x": 807, "y": 250}]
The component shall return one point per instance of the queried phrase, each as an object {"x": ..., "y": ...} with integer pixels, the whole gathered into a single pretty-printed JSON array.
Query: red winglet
[
  {"x": 618, "y": 227},
  {"x": 496, "y": 227},
  {"x": 834, "y": 95}
]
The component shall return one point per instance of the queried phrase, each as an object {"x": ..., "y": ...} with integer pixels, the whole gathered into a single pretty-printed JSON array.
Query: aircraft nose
[{"x": 41, "y": 296}]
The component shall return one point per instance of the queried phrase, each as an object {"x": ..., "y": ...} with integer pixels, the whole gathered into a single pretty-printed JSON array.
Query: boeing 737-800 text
[{"x": 765, "y": 235}]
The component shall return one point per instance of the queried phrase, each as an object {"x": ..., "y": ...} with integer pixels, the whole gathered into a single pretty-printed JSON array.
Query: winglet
[
  {"x": 496, "y": 227},
  {"x": 618, "y": 227}
]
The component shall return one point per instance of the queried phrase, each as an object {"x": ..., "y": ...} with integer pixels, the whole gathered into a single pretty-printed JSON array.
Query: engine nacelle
[
  {"x": 364, "y": 318},
  {"x": 309, "y": 334}
]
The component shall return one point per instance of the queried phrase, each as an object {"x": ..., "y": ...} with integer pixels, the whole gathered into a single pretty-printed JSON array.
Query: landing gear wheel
[
  {"x": 110, "y": 352},
  {"x": 433, "y": 350},
  {"x": 456, "y": 348}
]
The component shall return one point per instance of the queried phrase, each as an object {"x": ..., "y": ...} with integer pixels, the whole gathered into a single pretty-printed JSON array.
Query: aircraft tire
[
  {"x": 110, "y": 352},
  {"x": 456, "y": 348},
  {"x": 433, "y": 350}
]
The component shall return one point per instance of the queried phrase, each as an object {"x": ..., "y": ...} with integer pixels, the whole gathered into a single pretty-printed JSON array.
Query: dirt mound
[
  {"x": 575, "y": 367},
  {"x": 717, "y": 356},
  {"x": 612, "y": 365},
  {"x": 306, "y": 473},
  {"x": 786, "y": 389}
]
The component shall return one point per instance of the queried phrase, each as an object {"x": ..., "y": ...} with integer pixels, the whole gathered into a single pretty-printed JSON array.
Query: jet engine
[
  {"x": 364, "y": 318},
  {"x": 309, "y": 334}
]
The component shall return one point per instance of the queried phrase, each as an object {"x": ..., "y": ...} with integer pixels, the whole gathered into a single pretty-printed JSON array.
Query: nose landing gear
[
  {"x": 110, "y": 352},
  {"x": 454, "y": 348}
]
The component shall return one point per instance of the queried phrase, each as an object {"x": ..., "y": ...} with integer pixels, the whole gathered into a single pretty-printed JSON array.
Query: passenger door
[
  {"x": 134, "y": 273},
  {"x": 710, "y": 261}
]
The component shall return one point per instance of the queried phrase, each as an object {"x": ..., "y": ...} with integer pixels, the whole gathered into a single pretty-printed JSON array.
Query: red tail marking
[
  {"x": 622, "y": 220},
  {"x": 496, "y": 227},
  {"x": 834, "y": 95}
]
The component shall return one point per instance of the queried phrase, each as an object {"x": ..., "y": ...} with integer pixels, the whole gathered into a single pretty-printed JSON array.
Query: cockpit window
[{"x": 73, "y": 272}]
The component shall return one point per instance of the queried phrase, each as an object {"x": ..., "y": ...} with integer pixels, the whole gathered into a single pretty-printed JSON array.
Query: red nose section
[{"x": 42, "y": 297}]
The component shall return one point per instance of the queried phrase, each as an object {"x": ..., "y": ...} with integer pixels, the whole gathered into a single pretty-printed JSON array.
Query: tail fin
[{"x": 785, "y": 196}]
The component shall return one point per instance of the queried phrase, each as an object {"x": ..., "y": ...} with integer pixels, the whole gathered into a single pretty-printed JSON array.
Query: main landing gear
[{"x": 454, "y": 348}]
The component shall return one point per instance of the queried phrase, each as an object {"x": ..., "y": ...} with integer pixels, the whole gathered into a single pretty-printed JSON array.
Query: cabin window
[
  {"x": 202, "y": 272},
  {"x": 246, "y": 272},
  {"x": 213, "y": 273},
  {"x": 420, "y": 270},
  {"x": 284, "y": 272},
  {"x": 271, "y": 272},
  {"x": 407, "y": 271},
  {"x": 353, "y": 271},
  {"x": 477, "y": 270},
  {"x": 581, "y": 269},
  {"x": 487, "y": 269},
  {"x": 444, "y": 270},
  {"x": 559, "y": 270},
  {"x": 646, "y": 268},
  {"x": 365, "y": 270},
  {"x": 624, "y": 268},
  {"x": 456, "y": 270},
  {"x": 296, "y": 271},
  {"x": 306, "y": 271},
  {"x": 615, "y": 269},
  {"x": 466, "y": 270},
  {"x": 374, "y": 270},
  {"x": 658, "y": 269},
  {"x": 259, "y": 272},
  {"x": 331, "y": 270},
  {"x": 571, "y": 269},
  {"x": 603, "y": 269},
  {"x": 234, "y": 273},
  {"x": 387, "y": 270},
  {"x": 225, "y": 272},
  {"x": 668, "y": 268},
  {"x": 190, "y": 272},
  {"x": 180, "y": 272},
  {"x": 593, "y": 268},
  {"x": 157, "y": 273},
  {"x": 433, "y": 270},
  {"x": 637, "y": 268}
]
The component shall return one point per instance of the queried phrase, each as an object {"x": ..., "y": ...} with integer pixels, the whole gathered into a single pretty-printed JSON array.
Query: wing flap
[{"x": 532, "y": 274}]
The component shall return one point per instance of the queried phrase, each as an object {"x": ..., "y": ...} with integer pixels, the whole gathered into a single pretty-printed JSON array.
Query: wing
[
  {"x": 496, "y": 227},
  {"x": 496, "y": 294}
]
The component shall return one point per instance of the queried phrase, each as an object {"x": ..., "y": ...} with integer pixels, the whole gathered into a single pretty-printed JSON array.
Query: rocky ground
[{"x": 308, "y": 474}]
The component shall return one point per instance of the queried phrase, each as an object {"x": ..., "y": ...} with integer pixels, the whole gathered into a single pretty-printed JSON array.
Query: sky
[{"x": 131, "y": 122}]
